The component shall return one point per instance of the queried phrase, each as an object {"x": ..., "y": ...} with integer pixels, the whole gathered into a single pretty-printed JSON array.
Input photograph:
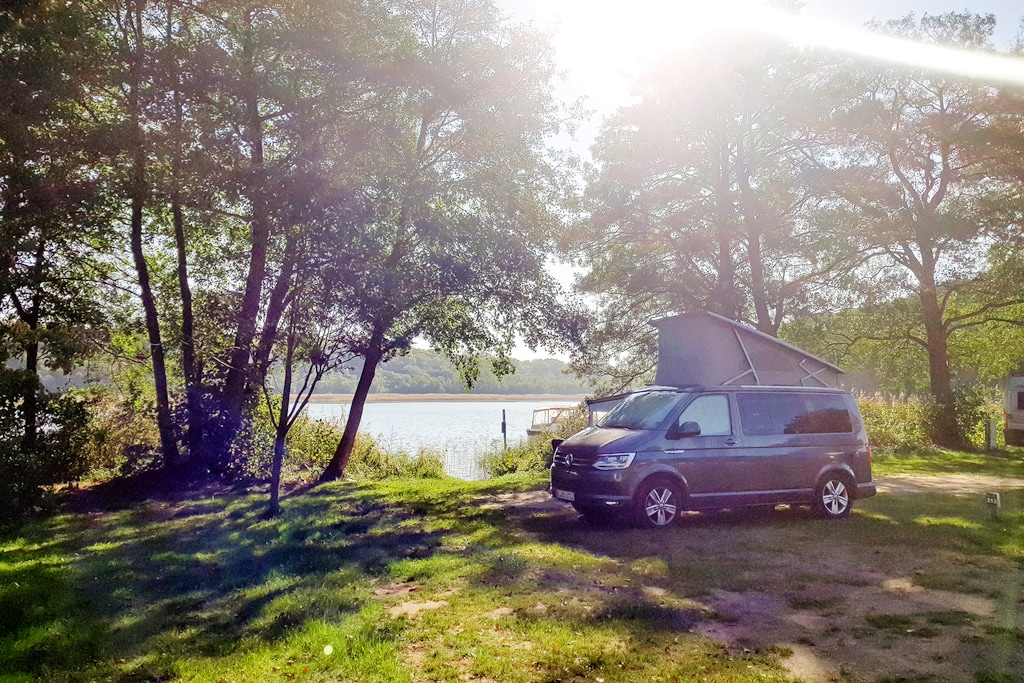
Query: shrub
[
  {"x": 903, "y": 424},
  {"x": 311, "y": 444},
  {"x": 122, "y": 437},
  {"x": 896, "y": 424},
  {"x": 975, "y": 407},
  {"x": 535, "y": 453},
  {"x": 370, "y": 462},
  {"x": 56, "y": 457}
]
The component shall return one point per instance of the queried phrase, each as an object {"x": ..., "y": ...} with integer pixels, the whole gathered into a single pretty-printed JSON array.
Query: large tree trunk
[
  {"x": 189, "y": 367},
  {"x": 164, "y": 420},
  {"x": 336, "y": 467},
  {"x": 190, "y": 372},
  {"x": 945, "y": 431},
  {"x": 236, "y": 383},
  {"x": 278, "y": 302},
  {"x": 30, "y": 399},
  {"x": 724, "y": 297},
  {"x": 753, "y": 220}
]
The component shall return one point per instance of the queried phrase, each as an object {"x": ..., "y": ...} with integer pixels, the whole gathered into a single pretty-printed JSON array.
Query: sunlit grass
[
  {"x": 1000, "y": 463},
  {"x": 426, "y": 580}
]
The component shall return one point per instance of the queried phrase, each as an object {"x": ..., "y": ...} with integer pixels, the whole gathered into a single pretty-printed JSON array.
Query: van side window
[
  {"x": 1020, "y": 400},
  {"x": 711, "y": 412},
  {"x": 762, "y": 414},
  {"x": 755, "y": 415}
]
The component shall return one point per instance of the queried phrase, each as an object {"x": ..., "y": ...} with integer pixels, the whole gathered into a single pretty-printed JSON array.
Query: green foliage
[
  {"x": 903, "y": 424},
  {"x": 311, "y": 444},
  {"x": 975, "y": 407},
  {"x": 369, "y": 462},
  {"x": 55, "y": 457},
  {"x": 532, "y": 455},
  {"x": 535, "y": 453},
  {"x": 896, "y": 424},
  {"x": 121, "y": 437}
]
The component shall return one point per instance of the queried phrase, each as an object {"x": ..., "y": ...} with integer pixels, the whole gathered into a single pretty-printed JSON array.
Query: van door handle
[{"x": 730, "y": 441}]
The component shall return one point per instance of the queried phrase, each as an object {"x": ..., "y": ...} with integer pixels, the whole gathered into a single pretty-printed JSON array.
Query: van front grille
[{"x": 572, "y": 459}]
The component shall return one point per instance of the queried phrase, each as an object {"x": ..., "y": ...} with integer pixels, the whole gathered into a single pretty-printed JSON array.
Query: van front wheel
[
  {"x": 658, "y": 503},
  {"x": 833, "y": 497}
]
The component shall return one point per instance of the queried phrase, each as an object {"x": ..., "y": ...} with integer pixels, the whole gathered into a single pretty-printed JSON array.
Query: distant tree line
[{"x": 422, "y": 371}]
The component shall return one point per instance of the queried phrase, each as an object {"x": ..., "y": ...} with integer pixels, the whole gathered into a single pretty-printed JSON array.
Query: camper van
[
  {"x": 1013, "y": 410},
  {"x": 665, "y": 449}
]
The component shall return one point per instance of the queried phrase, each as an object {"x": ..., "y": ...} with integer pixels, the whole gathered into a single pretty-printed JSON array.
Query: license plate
[{"x": 565, "y": 495}]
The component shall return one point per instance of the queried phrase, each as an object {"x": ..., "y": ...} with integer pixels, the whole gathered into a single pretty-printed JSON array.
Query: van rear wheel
[
  {"x": 833, "y": 497},
  {"x": 658, "y": 503}
]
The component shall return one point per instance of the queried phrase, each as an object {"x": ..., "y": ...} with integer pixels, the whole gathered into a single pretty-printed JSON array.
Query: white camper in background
[{"x": 1013, "y": 409}]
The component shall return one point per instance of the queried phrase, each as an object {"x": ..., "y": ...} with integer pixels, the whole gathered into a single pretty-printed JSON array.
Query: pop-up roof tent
[
  {"x": 709, "y": 350},
  {"x": 705, "y": 349}
]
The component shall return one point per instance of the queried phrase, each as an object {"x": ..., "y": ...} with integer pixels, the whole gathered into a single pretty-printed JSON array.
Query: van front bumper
[{"x": 591, "y": 488}]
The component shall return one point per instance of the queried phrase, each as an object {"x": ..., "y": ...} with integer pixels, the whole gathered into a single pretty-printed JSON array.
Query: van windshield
[{"x": 644, "y": 410}]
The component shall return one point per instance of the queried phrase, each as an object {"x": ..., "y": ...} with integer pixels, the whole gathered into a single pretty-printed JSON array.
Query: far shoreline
[{"x": 406, "y": 398}]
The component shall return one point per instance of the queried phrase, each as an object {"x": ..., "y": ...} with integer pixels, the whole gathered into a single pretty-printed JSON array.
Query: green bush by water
[{"x": 535, "y": 453}]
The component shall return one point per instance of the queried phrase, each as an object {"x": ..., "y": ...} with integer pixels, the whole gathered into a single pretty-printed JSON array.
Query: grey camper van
[
  {"x": 735, "y": 418},
  {"x": 665, "y": 449}
]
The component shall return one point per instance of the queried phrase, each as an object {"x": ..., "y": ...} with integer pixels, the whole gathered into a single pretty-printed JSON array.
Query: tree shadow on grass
[{"x": 192, "y": 576}]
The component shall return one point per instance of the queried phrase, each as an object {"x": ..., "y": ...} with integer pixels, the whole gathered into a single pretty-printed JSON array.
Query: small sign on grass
[{"x": 993, "y": 502}]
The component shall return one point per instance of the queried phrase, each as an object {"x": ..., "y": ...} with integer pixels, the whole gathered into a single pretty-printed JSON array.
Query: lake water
[{"x": 461, "y": 430}]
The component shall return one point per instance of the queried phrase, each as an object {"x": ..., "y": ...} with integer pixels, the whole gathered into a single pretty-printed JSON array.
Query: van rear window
[
  {"x": 764, "y": 414},
  {"x": 1020, "y": 400}
]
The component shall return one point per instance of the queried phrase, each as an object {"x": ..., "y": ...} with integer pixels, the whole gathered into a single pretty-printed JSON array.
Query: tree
[
  {"x": 451, "y": 244},
  {"x": 319, "y": 346},
  {"x": 914, "y": 165},
  {"x": 700, "y": 201},
  {"x": 52, "y": 209},
  {"x": 278, "y": 75}
]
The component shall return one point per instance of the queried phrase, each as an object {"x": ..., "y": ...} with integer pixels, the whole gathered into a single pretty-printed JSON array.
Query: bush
[
  {"x": 975, "y": 407},
  {"x": 370, "y": 462},
  {"x": 903, "y": 424},
  {"x": 310, "y": 446},
  {"x": 122, "y": 437},
  {"x": 535, "y": 453},
  {"x": 56, "y": 457},
  {"x": 896, "y": 424},
  {"x": 532, "y": 455}
]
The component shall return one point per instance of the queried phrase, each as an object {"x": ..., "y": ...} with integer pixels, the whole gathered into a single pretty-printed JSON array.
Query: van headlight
[{"x": 614, "y": 461}]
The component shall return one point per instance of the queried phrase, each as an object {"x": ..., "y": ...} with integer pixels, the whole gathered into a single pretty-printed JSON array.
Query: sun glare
[{"x": 605, "y": 44}]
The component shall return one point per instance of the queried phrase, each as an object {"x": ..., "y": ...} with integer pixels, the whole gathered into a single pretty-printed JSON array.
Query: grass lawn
[
  {"x": 434, "y": 580},
  {"x": 1006, "y": 463}
]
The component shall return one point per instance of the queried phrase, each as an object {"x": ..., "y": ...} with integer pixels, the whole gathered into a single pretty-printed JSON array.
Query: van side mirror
[{"x": 684, "y": 430}]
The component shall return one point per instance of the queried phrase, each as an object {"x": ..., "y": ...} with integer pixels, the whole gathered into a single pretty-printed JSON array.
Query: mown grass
[
  {"x": 409, "y": 580},
  {"x": 1005, "y": 463}
]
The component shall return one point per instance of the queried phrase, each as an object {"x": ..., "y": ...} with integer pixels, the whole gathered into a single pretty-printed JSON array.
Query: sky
[{"x": 603, "y": 45}]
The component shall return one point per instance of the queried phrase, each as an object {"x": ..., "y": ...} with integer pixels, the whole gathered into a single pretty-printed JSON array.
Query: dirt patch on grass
[
  {"x": 412, "y": 609},
  {"x": 829, "y": 605}
]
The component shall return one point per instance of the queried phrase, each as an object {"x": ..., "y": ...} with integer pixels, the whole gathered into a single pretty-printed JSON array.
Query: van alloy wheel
[
  {"x": 659, "y": 504},
  {"x": 832, "y": 498}
]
